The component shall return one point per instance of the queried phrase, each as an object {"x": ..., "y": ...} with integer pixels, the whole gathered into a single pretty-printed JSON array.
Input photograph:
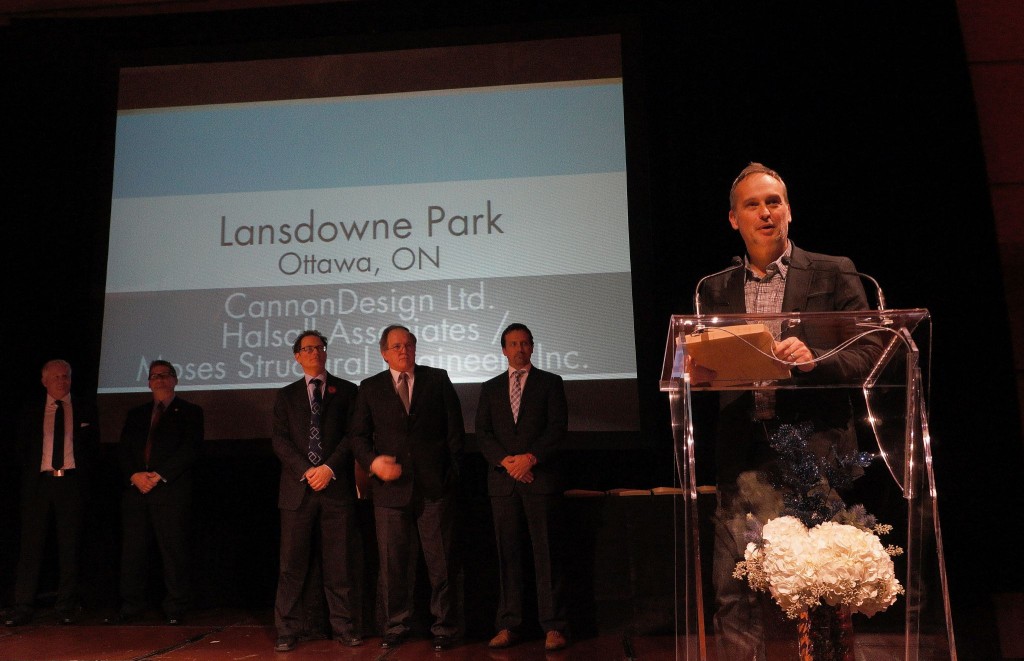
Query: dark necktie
[
  {"x": 517, "y": 393},
  {"x": 57, "y": 455},
  {"x": 158, "y": 411},
  {"x": 403, "y": 390},
  {"x": 316, "y": 449}
]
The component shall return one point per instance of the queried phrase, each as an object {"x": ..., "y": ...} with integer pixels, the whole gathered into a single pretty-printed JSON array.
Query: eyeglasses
[
  {"x": 161, "y": 375},
  {"x": 318, "y": 348},
  {"x": 402, "y": 347}
]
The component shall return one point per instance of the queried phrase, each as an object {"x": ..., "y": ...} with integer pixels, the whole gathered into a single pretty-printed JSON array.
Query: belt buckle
[{"x": 59, "y": 472}]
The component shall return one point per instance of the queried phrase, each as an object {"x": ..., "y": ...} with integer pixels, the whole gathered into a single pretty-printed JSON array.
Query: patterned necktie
[
  {"x": 57, "y": 454},
  {"x": 403, "y": 390},
  {"x": 158, "y": 411},
  {"x": 316, "y": 406},
  {"x": 517, "y": 393}
]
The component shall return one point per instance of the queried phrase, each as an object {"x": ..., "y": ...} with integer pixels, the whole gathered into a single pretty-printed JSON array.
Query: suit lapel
[
  {"x": 328, "y": 394},
  {"x": 798, "y": 282},
  {"x": 302, "y": 396},
  {"x": 387, "y": 384},
  {"x": 504, "y": 395},
  {"x": 419, "y": 376},
  {"x": 734, "y": 291},
  {"x": 528, "y": 390},
  {"x": 76, "y": 424},
  {"x": 37, "y": 433}
]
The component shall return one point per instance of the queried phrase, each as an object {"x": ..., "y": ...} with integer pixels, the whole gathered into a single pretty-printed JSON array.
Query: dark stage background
[{"x": 865, "y": 109}]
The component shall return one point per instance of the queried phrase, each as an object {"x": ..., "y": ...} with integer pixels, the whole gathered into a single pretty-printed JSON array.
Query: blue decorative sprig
[{"x": 810, "y": 481}]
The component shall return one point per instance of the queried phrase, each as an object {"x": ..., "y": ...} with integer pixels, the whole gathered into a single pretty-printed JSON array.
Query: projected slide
[{"x": 456, "y": 211}]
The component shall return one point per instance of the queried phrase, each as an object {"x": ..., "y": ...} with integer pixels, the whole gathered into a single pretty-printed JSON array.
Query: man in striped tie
[{"x": 521, "y": 421}]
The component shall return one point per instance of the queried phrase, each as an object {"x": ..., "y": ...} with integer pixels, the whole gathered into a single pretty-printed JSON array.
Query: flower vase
[{"x": 825, "y": 633}]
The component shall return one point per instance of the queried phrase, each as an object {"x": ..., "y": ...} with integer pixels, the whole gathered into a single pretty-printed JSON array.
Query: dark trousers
[
  {"x": 397, "y": 529},
  {"x": 142, "y": 521},
  {"x": 744, "y": 618},
  {"x": 63, "y": 497},
  {"x": 540, "y": 516},
  {"x": 335, "y": 521},
  {"x": 740, "y": 612},
  {"x": 739, "y": 618}
]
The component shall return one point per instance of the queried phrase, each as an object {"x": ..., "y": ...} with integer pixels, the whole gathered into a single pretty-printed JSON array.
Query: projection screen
[{"x": 452, "y": 190}]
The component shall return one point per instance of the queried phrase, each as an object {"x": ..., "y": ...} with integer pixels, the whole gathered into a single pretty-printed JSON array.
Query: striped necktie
[{"x": 517, "y": 393}]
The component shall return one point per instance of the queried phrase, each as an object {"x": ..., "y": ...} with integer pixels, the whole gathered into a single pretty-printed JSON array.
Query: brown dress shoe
[
  {"x": 555, "y": 640},
  {"x": 505, "y": 638},
  {"x": 349, "y": 639}
]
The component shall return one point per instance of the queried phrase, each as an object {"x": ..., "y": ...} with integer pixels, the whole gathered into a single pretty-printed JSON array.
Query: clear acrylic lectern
[{"x": 885, "y": 359}]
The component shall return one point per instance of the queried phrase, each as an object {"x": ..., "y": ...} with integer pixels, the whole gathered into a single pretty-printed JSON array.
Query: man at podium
[{"x": 774, "y": 276}]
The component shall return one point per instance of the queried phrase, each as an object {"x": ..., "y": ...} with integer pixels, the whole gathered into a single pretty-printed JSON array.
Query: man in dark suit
[
  {"x": 778, "y": 277},
  {"x": 58, "y": 438},
  {"x": 407, "y": 431},
  {"x": 159, "y": 445},
  {"x": 317, "y": 493},
  {"x": 520, "y": 423}
]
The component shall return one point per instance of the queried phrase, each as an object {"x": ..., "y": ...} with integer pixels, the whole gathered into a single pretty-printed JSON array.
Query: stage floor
[{"x": 232, "y": 635}]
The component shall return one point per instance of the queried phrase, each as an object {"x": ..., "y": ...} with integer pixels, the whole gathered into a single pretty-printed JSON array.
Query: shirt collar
[
  {"x": 322, "y": 376},
  {"x": 395, "y": 373},
  {"x": 780, "y": 265}
]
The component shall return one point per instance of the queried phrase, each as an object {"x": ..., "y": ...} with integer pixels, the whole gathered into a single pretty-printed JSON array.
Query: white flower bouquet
[{"x": 832, "y": 563}]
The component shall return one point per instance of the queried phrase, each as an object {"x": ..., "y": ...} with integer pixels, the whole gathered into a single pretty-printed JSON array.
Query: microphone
[
  {"x": 878, "y": 288},
  {"x": 737, "y": 262}
]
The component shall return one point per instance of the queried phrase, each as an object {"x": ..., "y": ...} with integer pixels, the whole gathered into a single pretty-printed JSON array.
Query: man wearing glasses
[
  {"x": 316, "y": 494},
  {"x": 407, "y": 431},
  {"x": 159, "y": 445}
]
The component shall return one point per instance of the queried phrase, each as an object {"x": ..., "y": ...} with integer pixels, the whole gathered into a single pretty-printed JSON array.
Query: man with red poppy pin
[{"x": 317, "y": 491}]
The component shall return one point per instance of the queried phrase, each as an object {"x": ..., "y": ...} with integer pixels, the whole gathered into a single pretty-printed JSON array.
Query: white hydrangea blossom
[{"x": 831, "y": 563}]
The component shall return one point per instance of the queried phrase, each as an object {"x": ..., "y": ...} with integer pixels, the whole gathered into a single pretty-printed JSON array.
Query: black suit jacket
[
  {"x": 85, "y": 438},
  {"x": 291, "y": 440},
  {"x": 814, "y": 283},
  {"x": 176, "y": 440},
  {"x": 428, "y": 442},
  {"x": 540, "y": 429}
]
